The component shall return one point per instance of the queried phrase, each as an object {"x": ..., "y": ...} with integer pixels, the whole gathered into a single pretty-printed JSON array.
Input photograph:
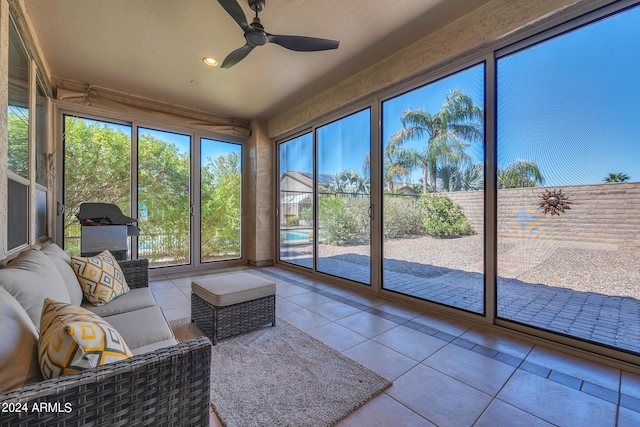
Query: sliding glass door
[
  {"x": 164, "y": 172},
  {"x": 433, "y": 191},
  {"x": 344, "y": 197},
  {"x": 98, "y": 168},
  {"x": 296, "y": 205},
  {"x": 220, "y": 200},
  {"x": 569, "y": 183}
]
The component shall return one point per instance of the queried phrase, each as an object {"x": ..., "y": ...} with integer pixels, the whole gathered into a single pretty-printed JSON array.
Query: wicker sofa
[{"x": 164, "y": 383}]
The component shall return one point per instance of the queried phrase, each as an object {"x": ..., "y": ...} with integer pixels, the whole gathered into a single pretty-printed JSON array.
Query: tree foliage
[
  {"x": 98, "y": 169},
  {"x": 522, "y": 173},
  {"x": 617, "y": 177},
  {"x": 448, "y": 133}
]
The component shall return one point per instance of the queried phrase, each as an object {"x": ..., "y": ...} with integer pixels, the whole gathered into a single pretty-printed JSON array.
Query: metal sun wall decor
[{"x": 554, "y": 202}]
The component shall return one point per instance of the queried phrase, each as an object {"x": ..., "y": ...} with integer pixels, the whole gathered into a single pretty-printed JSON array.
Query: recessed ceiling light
[{"x": 210, "y": 61}]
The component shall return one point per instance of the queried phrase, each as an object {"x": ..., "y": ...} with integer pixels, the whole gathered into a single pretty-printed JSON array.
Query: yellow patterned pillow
[
  {"x": 100, "y": 277},
  {"x": 73, "y": 339}
]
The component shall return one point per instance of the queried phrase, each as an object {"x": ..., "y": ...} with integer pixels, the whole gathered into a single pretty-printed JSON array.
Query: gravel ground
[
  {"x": 607, "y": 272},
  {"x": 614, "y": 273}
]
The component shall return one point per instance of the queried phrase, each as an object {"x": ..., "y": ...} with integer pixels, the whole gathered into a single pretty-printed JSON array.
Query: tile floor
[{"x": 445, "y": 371}]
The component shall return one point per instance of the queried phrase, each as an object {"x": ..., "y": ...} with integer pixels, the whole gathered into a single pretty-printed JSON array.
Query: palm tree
[
  {"x": 348, "y": 181},
  {"x": 617, "y": 177},
  {"x": 459, "y": 120},
  {"x": 522, "y": 173}
]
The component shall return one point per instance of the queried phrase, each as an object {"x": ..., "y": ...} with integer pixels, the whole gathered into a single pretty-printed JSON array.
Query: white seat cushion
[
  {"x": 142, "y": 327},
  {"x": 232, "y": 288}
]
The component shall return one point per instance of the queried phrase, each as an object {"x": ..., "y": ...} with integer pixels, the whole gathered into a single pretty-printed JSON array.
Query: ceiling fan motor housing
[{"x": 256, "y": 5}]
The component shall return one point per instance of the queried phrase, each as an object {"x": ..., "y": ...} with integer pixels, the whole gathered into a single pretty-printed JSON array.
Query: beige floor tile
[
  {"x": 500, "y": 413},
  {"x": 556, "y": 403},
  {"x": 476, "y": 370},
  {"x": 173, "y": 301},
  {"x": 442, "y": 400},
  {"x": 383, "y": 411},
  {"x": 444, "y": 323},
  {"x": 368, "y": 300},
  {"x": 167, "y": 292},
  {"x": 380, "y": 359},
  {"x": 286, "y": 290},
  {"x": 336, "y": 336},
  {"x": 406, "y": 311},
  {"x": 334, "y": 310},
  {"x": 575, "y": 366},
  {"x": 177, "y": 313},
  {"x": 160, "y": 284},
  {"x": 304, "y": 319},
  {"x": 492, "y": 338},
  {"x": 630, "y": 385},
  {"x": 309, "y": 299},
  {"x": 367, "y": 324},
  {"x": 285, "y": 306},
  {"x": 409, "y": 342}
]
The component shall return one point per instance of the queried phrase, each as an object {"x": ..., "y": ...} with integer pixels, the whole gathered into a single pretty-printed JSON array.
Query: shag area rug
[{"x": 281, "y": 376}]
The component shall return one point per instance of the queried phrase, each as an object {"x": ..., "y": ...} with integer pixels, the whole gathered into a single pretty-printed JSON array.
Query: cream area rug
[{"x": 281, "y": 376}]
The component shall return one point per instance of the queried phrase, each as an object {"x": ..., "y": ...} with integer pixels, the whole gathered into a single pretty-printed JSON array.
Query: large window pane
[
  {"x": 97, "y": 168},
  {"x": 344, "y": 230},
  {"x": 18, "y": 142},
  {"x": 220, "y": 192},
  {"x": 433, "y": 182},
  {"x": 569, "y": 183},
  {"x": 296, "y": 201},
  {"x": 164, "y": 160}
]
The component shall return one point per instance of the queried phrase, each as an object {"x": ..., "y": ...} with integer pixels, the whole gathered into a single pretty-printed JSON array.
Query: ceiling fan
[{"x": 255, "y": 35}]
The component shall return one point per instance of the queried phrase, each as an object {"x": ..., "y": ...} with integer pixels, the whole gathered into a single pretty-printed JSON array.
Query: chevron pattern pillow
[
  {"x": 100, "y": 277},
  {"x": 73, "y": 339}
]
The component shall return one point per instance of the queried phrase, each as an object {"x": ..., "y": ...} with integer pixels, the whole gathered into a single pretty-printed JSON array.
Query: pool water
[{"x": 295, "y": 235}]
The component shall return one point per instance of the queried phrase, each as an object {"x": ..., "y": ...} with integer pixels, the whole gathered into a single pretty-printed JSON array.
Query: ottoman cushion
[{"x": 232, "y": 289}]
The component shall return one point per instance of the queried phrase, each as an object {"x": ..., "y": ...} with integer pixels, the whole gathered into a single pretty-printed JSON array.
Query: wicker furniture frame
[
  {"x": 223, "y": 322},
  {"x": 166, "y": 387}
]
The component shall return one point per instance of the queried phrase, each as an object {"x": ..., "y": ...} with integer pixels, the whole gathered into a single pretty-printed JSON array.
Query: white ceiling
[{"x": 154, "y": 48}]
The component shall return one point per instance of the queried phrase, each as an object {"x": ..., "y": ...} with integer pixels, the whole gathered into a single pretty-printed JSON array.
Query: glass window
[
  {"x": 296, "y": 210},
  {"x": 164, "y": 209},
  {"x": 569, "y": 183},
  {"x": 220, "y": 198},
  {"x": 433, "y": 198},
  {"x": 97, "y": 168},
  {"x": 18, "y": 142},
  {"x": 344, "y": 198}
]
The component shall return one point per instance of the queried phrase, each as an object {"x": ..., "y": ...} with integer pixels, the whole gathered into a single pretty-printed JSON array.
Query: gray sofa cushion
[
  {"x": 18, "y": 345},
  {"x": 135, "y": 299},
  {"x": 62, "y": 262},
  {"x": 31, "y": 278},
  {"x": 141, "y": 327}
]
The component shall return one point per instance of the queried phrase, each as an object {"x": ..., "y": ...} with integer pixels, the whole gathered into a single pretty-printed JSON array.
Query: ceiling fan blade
[
  {"x": 236, "y": 56},
  {"x": 303, "y": 44},
  {"x": 233, "y": 8}
]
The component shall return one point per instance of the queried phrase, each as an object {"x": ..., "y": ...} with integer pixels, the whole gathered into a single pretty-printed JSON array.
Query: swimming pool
[{"x": 295, "y": 235}]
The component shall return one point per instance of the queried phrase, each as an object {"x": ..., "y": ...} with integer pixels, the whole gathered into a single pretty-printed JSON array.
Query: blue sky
[{"x": 570, "y": 104}]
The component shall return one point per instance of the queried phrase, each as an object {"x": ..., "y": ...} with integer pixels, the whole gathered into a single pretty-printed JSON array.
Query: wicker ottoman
[{"x": 232, "y": 304}]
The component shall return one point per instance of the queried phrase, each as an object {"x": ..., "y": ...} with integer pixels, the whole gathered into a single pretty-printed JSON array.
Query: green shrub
[
  {"x": 340, "y": 229},
  {"x": 444, "y": 218},
  {"x": 291, "y": 220},
  {"x": 402, "y": 217}
]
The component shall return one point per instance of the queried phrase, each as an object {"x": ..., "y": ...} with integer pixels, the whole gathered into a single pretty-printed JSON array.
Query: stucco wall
[
  {"x": 486, "y": 24},
  {"x": 600, "y": 213},
  {"x": 4, "y": 96},
  {"x": 259, "y": 211}
]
